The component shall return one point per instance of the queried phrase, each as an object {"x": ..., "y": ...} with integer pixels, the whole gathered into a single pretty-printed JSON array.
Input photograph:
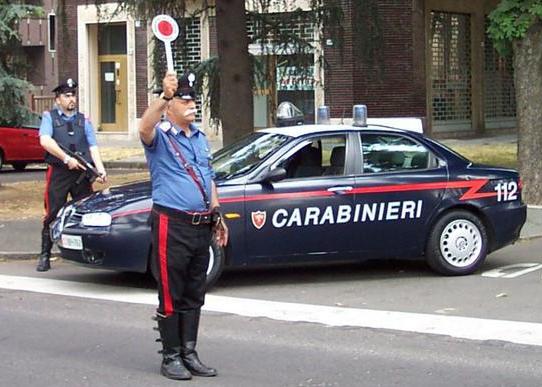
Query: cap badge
[
  {"x": 191, "y": 79},
  {"x": 165, "y": 126},
  {"x": 70, "y": 82}
]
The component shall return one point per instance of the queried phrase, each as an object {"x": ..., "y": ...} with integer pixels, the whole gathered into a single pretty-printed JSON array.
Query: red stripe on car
[{"x": 472, "y": 193}]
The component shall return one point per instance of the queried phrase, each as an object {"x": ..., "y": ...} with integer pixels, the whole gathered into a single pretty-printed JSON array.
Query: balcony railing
[{"x": 41, "y": 103}]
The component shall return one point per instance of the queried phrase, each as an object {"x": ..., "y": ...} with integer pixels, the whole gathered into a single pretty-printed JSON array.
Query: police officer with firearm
[
  {"x": 185, "y": 216},
  {"x": 64, "y": 126}
]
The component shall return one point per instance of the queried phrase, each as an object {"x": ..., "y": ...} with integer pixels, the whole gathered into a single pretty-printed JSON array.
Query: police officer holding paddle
[
  {"x": 65, "y": 131},
  {"x": 185, "y": 216}
]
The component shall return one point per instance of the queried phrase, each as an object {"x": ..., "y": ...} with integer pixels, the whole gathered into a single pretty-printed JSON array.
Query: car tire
[
  {"x": 214, "y": 270},
  {"x": 19, "y": 166},
  {"x": 457, "y": 244}
]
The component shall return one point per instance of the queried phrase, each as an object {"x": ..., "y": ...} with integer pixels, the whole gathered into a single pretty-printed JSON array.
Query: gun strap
[{"x": 188, "y": 168}]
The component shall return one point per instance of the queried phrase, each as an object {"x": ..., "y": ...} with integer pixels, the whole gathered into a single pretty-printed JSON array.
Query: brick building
[
  {"x": 423, "y": 58},
  {"x": 39, "y": 40}
]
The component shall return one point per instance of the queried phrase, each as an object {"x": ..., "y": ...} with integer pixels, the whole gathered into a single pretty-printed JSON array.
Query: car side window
[
  {"x": 389, "y": 152},
  {"x": 322, "y": 156}
]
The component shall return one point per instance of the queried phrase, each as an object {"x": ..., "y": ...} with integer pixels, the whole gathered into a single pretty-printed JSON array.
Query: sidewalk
[
  {"x": 134, "y": 162},
  {"x": 21, "y": 238}
]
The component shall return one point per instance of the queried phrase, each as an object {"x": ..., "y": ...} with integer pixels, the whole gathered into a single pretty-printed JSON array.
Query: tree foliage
[
  {"x": 13, "y": 88},
  {"x": 511, "y": 20}
]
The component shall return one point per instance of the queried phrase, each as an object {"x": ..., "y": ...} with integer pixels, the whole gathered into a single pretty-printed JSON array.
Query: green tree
[
  {"x": 517, "y": 25},
  {"x": 13, "y": 87}
]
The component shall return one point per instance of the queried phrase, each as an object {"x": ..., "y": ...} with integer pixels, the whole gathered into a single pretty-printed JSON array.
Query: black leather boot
[
  {"x": 188, "y": 326},
  {"x": 172, "y": 365},
  {"x": 45, "y": 255}
]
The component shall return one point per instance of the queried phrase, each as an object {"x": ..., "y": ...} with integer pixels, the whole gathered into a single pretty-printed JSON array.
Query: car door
[
  {"x": 304, "y": 216},
  {"x": 30, "y": 144},
  {"x": 21, "y": 144},
  {"x": 401, "y": 185}
]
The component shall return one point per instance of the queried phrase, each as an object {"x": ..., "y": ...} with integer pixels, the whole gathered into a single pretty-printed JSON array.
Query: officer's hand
[
  {"x": 102, "y": 179},
  {"x": 74, "y": 164},
  {"x": 169, "y": 84},
  {"x": 221, "y": 233}
]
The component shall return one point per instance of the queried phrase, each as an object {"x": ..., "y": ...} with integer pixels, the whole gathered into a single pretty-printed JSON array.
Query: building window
[
  {"x": 450, "y": 70},
  {"x": 51, "y": 24}
]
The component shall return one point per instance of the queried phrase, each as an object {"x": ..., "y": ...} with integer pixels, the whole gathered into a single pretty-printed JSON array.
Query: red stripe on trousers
[
  {"x": 162, "y": 260},
  {"x": 47, "y": 182}
]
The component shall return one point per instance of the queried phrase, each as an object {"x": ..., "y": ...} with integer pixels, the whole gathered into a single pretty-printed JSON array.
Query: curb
[
  {"x": 125, "y": 165},
  {"x": 22, "y": 255},
  {"x": 17, "y": 255}
]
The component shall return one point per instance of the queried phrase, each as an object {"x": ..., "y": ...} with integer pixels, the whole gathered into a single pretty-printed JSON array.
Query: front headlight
[
  {"x": 96, "y": 219},
  {"x": 64, "y": 210}
]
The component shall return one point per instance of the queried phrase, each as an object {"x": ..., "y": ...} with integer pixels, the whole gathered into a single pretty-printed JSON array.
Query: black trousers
[
  {"x": 180, "y": 253},
  {"x": 59, "y": 182}
]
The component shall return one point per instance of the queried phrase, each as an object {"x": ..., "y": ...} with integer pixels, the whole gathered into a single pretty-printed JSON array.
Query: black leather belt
[{"x": 193, "y": 218}]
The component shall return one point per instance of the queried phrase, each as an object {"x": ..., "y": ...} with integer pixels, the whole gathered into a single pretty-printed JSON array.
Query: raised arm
[{"x": 155, "y": 109}]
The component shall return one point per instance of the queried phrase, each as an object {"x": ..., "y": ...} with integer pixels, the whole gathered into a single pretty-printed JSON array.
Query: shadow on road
[{"x": 270, "y": 276}]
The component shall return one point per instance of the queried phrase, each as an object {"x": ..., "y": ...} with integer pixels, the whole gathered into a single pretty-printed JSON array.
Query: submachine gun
[{"x": 91, "y": 173}]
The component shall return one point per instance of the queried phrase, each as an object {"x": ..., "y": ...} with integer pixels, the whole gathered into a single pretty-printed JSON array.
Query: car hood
[
  {"x": 134, "y": 196},
  {"x": 111, "y": 199}
]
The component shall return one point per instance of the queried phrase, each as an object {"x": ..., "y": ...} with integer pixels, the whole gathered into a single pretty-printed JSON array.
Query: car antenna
[{"x": 342, "y": 117}]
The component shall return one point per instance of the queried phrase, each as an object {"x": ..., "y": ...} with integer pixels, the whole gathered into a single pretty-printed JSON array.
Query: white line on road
[
  {"x": 460, "y": 327},
  {"x": 512, "y": 271}
]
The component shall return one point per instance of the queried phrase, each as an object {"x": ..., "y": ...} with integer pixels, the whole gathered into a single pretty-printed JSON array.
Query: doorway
[
  {"x": 113, "y": 86},
  {"x": 112, "y": 77}
]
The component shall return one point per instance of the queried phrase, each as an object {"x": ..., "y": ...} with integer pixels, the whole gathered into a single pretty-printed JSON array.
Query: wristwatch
[
  {"x": 67, "y": 159},
  {"x": 163, "y": 96}
]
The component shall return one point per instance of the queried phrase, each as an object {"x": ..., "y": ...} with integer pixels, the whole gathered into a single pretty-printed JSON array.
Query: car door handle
[{"x": 340, "y": 190}]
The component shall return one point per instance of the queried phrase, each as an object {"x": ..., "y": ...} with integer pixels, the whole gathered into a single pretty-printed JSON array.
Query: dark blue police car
[{"x": 321, "y": 193}]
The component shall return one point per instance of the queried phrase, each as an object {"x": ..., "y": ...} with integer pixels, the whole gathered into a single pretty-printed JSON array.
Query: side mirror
[{"x": 276, "y": 174}]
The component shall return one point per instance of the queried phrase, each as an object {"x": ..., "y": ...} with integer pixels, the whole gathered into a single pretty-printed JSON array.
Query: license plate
[{"x": 72, "y": 242}]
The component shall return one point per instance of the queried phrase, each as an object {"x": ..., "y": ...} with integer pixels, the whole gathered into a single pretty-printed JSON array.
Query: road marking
[
  {"x": 455, "y": 326},
  {"x": 512, "y": 271}
]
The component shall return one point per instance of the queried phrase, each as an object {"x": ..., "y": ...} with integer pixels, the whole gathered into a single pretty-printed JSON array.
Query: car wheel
[
  {"x": 19, "y": 166},
  {"x": 216, "y": 264},
  {"x": 457, "y": 244},
  {"x": 214, "y": 270}
]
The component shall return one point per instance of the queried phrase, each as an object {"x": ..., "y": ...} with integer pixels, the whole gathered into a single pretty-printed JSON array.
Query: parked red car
[{"x": 20, "y": 146}]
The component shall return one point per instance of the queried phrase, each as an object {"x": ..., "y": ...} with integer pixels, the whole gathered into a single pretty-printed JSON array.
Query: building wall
[
  {"x": 67, "y": 39},
  {"x": 389, "y": 77},
  {"x": 339, "y": 68},
  {"x": 141, "y": 57},
  {"x": 41, "y": 59},
  {"x": 387, "y": 86}
]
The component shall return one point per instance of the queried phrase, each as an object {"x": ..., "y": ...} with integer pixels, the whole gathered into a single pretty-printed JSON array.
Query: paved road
[
  {"x": 62, "y": 341},
  {"x": 34, "y": 172},
  {"x": 66, "y": 340}
]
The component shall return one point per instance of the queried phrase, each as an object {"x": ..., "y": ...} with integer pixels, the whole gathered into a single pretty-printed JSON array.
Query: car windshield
[{"x": 246, "y": 154}]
